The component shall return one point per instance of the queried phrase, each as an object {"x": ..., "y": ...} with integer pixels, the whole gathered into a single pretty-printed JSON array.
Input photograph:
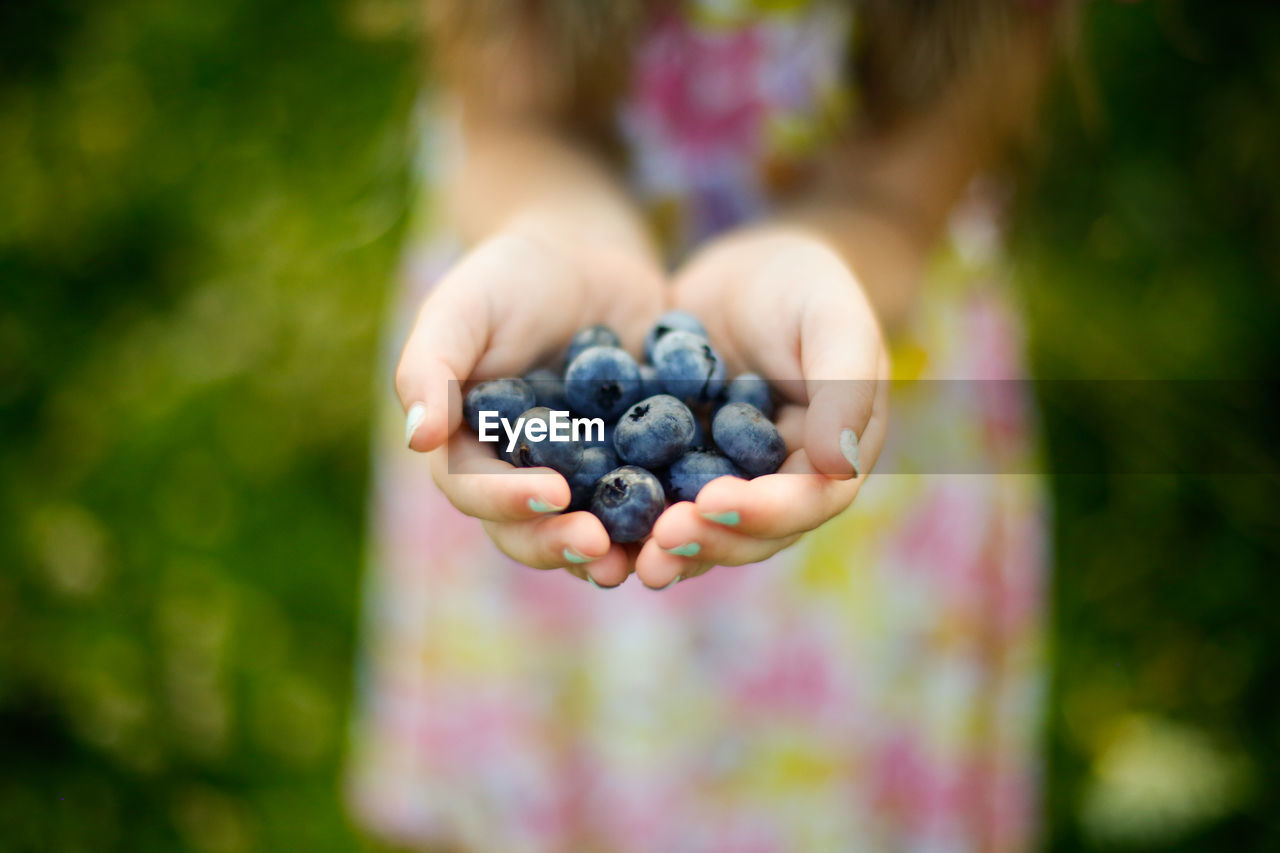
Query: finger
[
  {"x": 608, "y": 572},
  {"x": 611, "y": 569},
  {"x": 842, "y": 362},
  {"x": 792, "y": 501},
  {"x": 575, "y": 539},
  {"x": 483, "y": 486},
  {"x": 873, "y": 437},
  {"x": 658, "y": 569},
  {"x": 448, "y": 338},
  {"x": 790, "y": 421},
  {"x": 682, "y": 532}
]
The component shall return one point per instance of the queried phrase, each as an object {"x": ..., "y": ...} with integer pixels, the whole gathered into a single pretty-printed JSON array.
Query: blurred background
[{"x": 200, "y": 206}]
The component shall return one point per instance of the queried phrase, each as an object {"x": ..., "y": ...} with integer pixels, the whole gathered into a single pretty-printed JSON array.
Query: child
[{"x": 872, "y": 686}]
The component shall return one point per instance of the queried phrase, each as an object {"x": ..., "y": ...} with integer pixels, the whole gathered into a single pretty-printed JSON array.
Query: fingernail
[
  {"x": 573, "y": 555},
  {"x": 542, "y": 506},
  {"x": 674, "y": 581},
  {"x": 689, "y": 549},
  {"x": 417, "y": 414},
  {"x": 849, "y": 447},
  {"x": 593, "y": 583},
  {"x": 729, "y": 519}
]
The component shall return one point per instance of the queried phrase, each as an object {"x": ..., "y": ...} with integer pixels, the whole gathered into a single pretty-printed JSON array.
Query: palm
[{"x": 527, "y": 299}]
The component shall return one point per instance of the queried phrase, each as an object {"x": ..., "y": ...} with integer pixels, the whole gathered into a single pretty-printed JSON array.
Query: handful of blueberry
[{"x": 635, "y": 436}]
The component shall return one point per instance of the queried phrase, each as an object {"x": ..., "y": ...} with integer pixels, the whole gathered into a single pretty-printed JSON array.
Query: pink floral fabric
[
  {"x": 727, "y": 107},
  {"x": 875, "y": 687}
]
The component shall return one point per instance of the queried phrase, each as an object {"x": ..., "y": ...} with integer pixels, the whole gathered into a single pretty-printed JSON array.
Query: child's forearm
[
  {"x": 884, "y": 197},
  {"x": 520, "y": 175},
  {"x": 883, "y": 205}
]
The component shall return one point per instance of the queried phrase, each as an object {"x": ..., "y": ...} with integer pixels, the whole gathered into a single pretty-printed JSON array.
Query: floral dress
[{"x": 877, "y": 686}]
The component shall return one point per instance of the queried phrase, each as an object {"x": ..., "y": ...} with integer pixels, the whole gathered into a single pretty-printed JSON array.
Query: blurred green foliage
[
  {"x": 201, "y": 208},
  {"x": 200, "y": 215},
  {"x": 1149, "y": 241}
]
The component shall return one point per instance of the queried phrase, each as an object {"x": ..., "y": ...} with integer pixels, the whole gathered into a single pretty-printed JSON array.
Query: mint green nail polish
[
  {"x": 412, "y": 420},
  {"x": 542, "y": 506},
  {"x": 849, "y": 447},
  {"x": 673, "y": 582},
  {"x": 690, "y": 549},
  {"x": 593, "y": 583},
  {"x": 729, "y": 519},
  {"x": 575, "y": 556}
]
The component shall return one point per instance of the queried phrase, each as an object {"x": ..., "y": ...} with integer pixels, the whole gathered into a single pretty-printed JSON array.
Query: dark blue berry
[
  {"x": 591, "y": 336},
  {"x": 689, "y": 367},
  {"x": 672, "y": 321},
  {"x": 602, "y": 382},
  {"x": 748, "y": 438},
  {"x": 596, "y": 462},
  {"x": 628, "y": 500},
  {"x": 750, "y": 388},
  {"x": 508, "y": 397},
  {"x": 548, "y": 389},
  {"x": 688, "y": 474},
  {"x": 534, "y": 452},
  {"x": 654, "y": 432}
]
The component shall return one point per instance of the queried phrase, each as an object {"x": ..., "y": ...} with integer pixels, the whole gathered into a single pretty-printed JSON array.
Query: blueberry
[
  {"x": 650, "y": 384},
  {"x": 688, "y": 367},
  {"x": 750, "y": 388},
  {"x": 591, "y": 336},
  {"x": 548, "y": 389},
  {"x": 590, "y": 438},
  {"x": 596, "y": 462},
  {"x": 748, "y": 438},
  {"x": 535, "y": 447},
  {"x": 602, "y": 382},
  {"x": 628, "y": 500},
  {"x": 654, "y": 432},
  {"x": 688, "y": 474},
  {"x": 672, "y": 321},
  {"x": 508, "y": 397}
]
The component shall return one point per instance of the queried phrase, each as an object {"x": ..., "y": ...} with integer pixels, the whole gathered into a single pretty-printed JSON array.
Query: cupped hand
[
  {"x": 511, "y": 303},
  {"x": 778, "y": 301}
]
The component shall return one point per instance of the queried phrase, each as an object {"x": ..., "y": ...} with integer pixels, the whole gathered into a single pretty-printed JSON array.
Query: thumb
[
  {"x": 845, "y": 369},
  {"x": 448, "y": 339}
]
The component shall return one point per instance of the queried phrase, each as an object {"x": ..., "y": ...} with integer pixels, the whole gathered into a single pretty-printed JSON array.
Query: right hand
[{"x": 513, "y": 302}]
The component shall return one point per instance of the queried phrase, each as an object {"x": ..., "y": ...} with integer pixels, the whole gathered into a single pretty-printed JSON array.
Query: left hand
[
  {"x": 780, "y": 302},
  {"x": 516, "y": 298}
]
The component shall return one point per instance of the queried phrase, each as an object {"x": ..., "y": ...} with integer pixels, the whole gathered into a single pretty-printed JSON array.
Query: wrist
[
  {"x": 536, "y": 180},
  {"x": 584, "y": 227},
  {"x": 601, "y": 253},
  {"x": 886, "y": 258}
]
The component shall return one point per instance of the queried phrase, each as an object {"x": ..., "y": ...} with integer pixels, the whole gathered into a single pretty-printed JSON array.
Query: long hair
[
  {"x": 580, "y": 48},
  {"x": 906, "y": 53}
]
